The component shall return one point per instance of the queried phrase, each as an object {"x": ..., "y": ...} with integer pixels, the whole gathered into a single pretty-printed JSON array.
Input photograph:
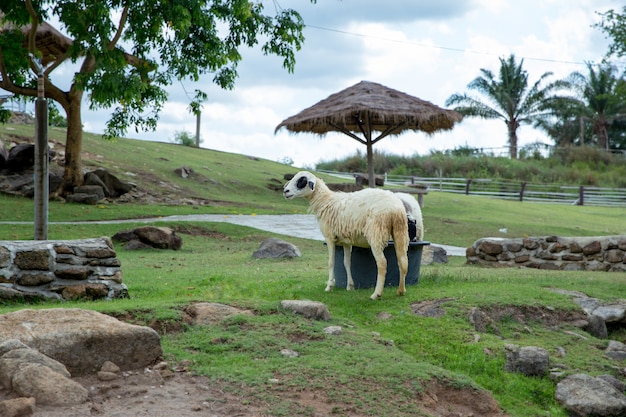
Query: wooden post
[
  {"x": 581, "y": 195},
  {"x": 521, "y": 192},
  {"x": 467, "y": 186},
  {"x": 41, "y": 157}
]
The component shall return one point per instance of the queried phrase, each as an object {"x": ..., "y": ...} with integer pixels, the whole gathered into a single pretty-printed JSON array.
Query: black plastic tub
[{"x": 364, "y": 270}]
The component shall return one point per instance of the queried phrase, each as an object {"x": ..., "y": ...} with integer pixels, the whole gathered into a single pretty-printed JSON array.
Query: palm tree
[
  {"x": 599, "y": 109},
  {"x": 512, "y": 99}
]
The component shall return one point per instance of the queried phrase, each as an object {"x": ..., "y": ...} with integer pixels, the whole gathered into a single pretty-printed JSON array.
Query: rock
[
  {"x": 136, "y": 244},
  {"x": 211, "y": 313},
  {"x": 289, "y": 353},
  {"x": 276, "y": 248},
  {"x": 96, "y": 190},
  {"x": 333, "y": 330},
  {"x": 114, "y": 185},
  {"x": 584, "y": 395},
  {"x": 82, "y": 340},
  {"x": 481, "y": 321},
  {"x": 107, "y": 376},
  {"x": 596, "y": 326},
  {"x": 611, "y": 313},
  {"x": 109, "y": 366},
  {"x": 184, "y": 172},
  {"x": 91, "y": 179},
  {"x": 17, "y": 407},
  {"x": 309, "y": 309},
  {"x": 616, "y": 350},
  {"x": 82, "y": 198},
  {"x": 48, "y": 386},
  {"x": 21, "y": 157},
  {"x": 434, "y": 254},
  {"x": 17, "y": 359},
  {"x": 527, "y": 360},
  {"x": 155, "y": 237}
]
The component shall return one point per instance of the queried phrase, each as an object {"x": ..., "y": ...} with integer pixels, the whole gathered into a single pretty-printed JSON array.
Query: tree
[
  {"x": 613, "y": 24},
  {"x": 597, "y": 112},
  {"x": 512, "y": 99},
  {"x": 129, "y": 51}
]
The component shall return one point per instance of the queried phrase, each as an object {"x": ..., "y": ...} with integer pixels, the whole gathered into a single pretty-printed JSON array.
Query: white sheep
[
  {"x": 414, "y": 215},
  {"x": 366, "y": 218}
]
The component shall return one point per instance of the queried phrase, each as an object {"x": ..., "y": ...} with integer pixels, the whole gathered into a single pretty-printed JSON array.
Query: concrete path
[{"x": 298, "y": 225}]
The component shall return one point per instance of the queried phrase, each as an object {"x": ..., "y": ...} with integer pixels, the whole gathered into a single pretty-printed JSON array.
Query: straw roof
[
  {"x": 367, "y": 107},
  {"x": 49, "y": 41}
]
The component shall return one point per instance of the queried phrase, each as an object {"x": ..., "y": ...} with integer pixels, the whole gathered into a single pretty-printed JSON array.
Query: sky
[{"x": 425, "y": 48}]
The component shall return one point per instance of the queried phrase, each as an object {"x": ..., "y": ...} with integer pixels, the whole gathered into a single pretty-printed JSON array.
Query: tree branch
[{"x": 120, "y": 28}]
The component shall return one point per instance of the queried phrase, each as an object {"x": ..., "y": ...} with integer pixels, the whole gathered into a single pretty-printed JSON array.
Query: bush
[
  {"x": 567, "y": 166},
  {"x": 185, "y": 138}
]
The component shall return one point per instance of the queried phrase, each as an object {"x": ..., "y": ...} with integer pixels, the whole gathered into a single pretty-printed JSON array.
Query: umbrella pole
[{"x": 370, "y": 164}]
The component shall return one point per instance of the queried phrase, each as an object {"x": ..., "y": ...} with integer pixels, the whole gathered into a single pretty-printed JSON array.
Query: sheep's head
[{"x": 301, "y": 185}]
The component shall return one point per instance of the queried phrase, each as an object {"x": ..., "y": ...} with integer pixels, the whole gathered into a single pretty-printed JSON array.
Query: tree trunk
[
  {"x": 603, "y": 134},
  {"x": 512, "y": 127},
  {"x": 73, "y": 174}
]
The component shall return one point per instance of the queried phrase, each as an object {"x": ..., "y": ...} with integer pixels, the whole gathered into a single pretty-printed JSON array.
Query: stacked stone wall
[
  {"x": 606, "y": 253},
  {"x": 60, "y": 269}
]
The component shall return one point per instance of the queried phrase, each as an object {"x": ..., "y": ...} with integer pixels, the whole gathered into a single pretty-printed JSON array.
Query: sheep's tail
[{"x": 400, "y": 233}]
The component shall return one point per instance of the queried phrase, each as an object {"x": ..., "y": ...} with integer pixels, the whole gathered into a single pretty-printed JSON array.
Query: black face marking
[{"x": 302, "y": 182}]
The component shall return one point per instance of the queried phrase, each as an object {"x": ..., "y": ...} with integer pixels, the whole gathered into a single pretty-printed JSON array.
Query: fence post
[
  {"x": 467, "y": 186},
  {"x": 521, "y": 192},
  {"x": 581, "y": 195}
]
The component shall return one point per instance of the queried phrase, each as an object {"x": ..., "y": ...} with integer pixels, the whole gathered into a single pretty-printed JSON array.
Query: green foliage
[
  {"x": 54, "y": 116},
  {"x": 570, "y": 165},
  {"x": 185, "y": 138},
  {"x": 596, "y": 111}
]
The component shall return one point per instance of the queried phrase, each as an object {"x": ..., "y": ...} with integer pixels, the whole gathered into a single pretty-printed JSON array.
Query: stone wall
[
  {"x": 606, "y": 253},
  {"x": 60, "y": 269}
]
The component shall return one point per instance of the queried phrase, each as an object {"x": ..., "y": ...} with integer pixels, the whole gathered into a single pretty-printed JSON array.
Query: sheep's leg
[
  {"x": 381, "y": 266},
  {"x": 347, "y": 263},
  {"x": 403, "y": 267},
  {"x": 331, "y": 266}
]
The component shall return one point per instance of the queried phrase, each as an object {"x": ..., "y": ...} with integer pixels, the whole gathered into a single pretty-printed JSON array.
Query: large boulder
[
  {"x": 112, "y": 184},
  {"x": 82, "y": 340},
  {"x": 149, "y": 236},
  {"x": 584, "y": 395}
]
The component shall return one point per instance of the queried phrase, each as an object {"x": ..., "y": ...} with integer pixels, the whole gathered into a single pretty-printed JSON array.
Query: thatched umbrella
[{"x": 370, "y": 107}]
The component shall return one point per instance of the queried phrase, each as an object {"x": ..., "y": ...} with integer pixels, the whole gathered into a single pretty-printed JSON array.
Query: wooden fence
[{"x": 513, "y": 190}]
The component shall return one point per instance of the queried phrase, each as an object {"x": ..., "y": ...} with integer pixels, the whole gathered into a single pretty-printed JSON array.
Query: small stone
[
  {"x": 333, "y": 330},
  {"x": 109, "y": 366},
  {"x": 289, "y": 353},
  {"x": 107, "y": 376}
]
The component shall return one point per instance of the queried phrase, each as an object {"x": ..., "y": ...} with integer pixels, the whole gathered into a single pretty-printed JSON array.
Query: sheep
[
  {"x": 365, "y": 218},
  {"x": 414, "y": 216}
]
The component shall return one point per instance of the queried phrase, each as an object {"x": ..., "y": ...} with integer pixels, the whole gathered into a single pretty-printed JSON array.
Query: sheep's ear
[{"x": 312, "y": 185}]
